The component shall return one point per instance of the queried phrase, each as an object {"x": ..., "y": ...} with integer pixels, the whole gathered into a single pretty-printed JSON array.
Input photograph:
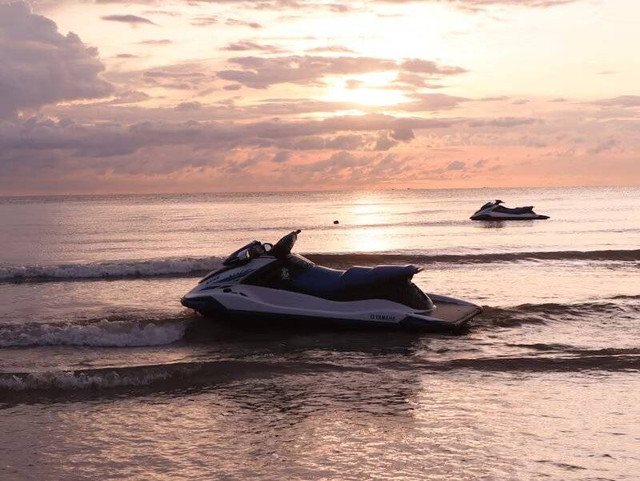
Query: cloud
[
  {"x": 204, "y": 21},
  {"x": 414, "y": 80},
  {"x": 471, "y": 5},
  {"x": 246, "y": 45},
  {"x": 604, "y": 146},
  {"x": 132, "y": 20},
  {"x": 188, "y": 106},
  {"x": 162, "y": 41},
  {"x": 126, "y": 97},
  {"x": 103, "y": 139},
  {"x": 241, "y": 23},
  {"x": 504, "y": 122},
  {"x": 260, "y": 72},
  {"x": 455, "y": 165},
  {"x": 431, "y": 102},
  {"x": 330, "y": 48},
  {"x": 183, "y": 76},
  {"x": 281, "y": 156},
  {"x": 478, "y": 5},
  {"x": 620, "y": 101},
  {"x": 39, "y": 66},
  {"x": 429, "y": 67}
]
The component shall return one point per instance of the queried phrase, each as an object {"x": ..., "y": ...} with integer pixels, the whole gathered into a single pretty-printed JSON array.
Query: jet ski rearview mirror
[{"x": 267, "y": 247}]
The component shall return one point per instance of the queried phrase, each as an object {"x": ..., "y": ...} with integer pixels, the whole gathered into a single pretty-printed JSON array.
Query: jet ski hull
[
  {"x": 268, "y": 307},
  {"x": 493, "y": 211},
  {"x": 495, "y": 217}
]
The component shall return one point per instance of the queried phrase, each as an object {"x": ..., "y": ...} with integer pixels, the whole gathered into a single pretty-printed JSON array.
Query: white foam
[
  {"x": 103, "y": 333},
  {"x": 80, "y": 380},
  {"x": 149, "y": 268}
]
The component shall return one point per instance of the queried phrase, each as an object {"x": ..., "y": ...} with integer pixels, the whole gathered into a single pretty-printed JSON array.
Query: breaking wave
[
  {"x": 179, "y": 267},
  {"x": 108, "y": 270},
  {"x": 553, "y": 312},
  {"x": 99, "y": 333},
  {"x": 375, "y": 258},
  {"x": 207, "y": 373},
  {"x": 164, "y": 375}
]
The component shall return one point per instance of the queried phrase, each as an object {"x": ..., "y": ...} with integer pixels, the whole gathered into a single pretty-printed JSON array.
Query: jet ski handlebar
[
  {"x": 255, "y": 249},
  {"x": 283, "y": 247}
]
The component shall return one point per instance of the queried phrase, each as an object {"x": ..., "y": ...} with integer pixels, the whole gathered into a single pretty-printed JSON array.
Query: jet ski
[
  {"x": 266, "y": 284},
  {"x": 496, "y": 211}
]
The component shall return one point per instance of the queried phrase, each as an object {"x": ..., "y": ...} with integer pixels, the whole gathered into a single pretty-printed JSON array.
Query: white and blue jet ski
[
  {"x": 496, "y": 211},
  {"x": 267, "y": 284}
]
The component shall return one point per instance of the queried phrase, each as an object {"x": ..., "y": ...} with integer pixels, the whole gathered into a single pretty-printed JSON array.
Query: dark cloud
[
  {"x": 281, "y": 156},
  {"x": 385, "y": 141},
  {"x": 40, "y": 66},
  {"x": 130, "y": 19},
  {"x": 188, "y": 106},
  {"x": 403, "y": 134},
  {"x": 114, "y": 139},
  {"x": 456, "y": 165}
]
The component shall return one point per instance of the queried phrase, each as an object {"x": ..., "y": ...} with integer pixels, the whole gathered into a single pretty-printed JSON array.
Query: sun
[{"x": 370, "y": 90}]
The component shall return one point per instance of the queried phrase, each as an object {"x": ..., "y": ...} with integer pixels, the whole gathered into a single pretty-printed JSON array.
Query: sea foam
[
  {"x": 101, "y": 333},
  {"x": 114, "y": 269}
]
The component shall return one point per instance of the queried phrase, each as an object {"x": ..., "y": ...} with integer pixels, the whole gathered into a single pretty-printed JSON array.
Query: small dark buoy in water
[{"x": 336, "y": 222}]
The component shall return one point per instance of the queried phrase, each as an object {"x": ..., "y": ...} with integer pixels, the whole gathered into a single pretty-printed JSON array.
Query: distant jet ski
[
  {"x": 267, "y": 284},
  {"x": 495, "y": 211}
]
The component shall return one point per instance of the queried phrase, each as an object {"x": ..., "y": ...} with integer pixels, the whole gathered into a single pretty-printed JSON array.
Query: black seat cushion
[{"x": 322, "y": 281}]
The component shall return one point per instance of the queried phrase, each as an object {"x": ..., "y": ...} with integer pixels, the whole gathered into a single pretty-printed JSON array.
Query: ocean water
[{"x": 104, "y": 375}]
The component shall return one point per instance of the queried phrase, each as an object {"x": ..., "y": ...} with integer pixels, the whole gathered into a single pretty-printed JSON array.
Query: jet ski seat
[
  {"x": 515, "y": 210},
  {"x": 358, "y": 277},
  {"x": 322, "y": 281}
]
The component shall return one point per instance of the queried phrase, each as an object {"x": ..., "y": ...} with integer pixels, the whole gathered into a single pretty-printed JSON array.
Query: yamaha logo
[{"x": 382, "y": 317}]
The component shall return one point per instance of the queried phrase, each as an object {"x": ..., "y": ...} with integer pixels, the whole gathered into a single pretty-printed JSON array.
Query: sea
[{"x": 105, "y": 376}]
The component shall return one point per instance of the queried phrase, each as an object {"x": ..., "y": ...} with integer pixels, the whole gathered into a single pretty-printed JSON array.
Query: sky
[{"x": 146, "y": 96}]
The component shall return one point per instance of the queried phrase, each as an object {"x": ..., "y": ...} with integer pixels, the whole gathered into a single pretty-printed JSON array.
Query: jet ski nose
[{"x": 191, "y": 303}]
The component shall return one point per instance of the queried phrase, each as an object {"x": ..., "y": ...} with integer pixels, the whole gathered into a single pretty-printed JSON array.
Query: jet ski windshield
[{"x": 250, "y": 251}]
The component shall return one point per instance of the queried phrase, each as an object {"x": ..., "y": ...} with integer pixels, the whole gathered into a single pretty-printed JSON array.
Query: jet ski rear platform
[{"x": 267, "y": 285}]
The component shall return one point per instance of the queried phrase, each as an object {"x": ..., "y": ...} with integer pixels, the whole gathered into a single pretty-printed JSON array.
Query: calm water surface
[{"x": 103, "y": 375}]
